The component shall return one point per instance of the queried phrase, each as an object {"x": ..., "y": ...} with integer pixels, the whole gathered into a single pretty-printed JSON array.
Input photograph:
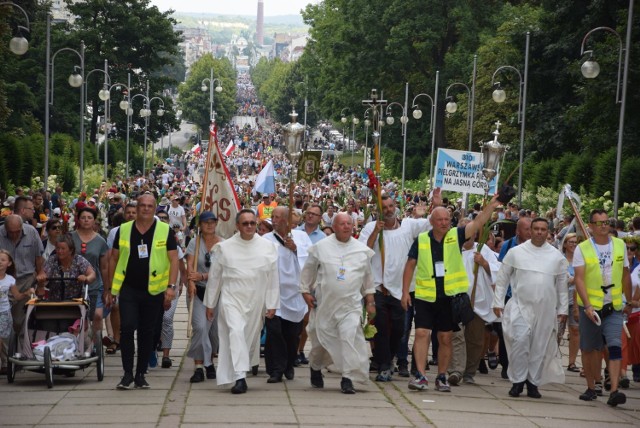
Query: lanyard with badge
[
  {"x": 342, "y": 270},
  {"x": 143, "y": 251},
  {"x": 602, "y": 261}
]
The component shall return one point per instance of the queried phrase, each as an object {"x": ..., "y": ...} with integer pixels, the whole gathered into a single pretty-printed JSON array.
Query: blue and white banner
[{"x": 461, "y": 171}]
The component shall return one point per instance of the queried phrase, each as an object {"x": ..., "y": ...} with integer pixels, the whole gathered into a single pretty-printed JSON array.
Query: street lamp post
[
  {"x": 403, "y": 120},
  {"x": 145, "y": 112},
  {"x": 367, "y": 124},
  {"x": 125, "y": 105},
  {"x": 499, "y": 96},
  {"x": 355, "y": 121},
  {"x": 417, "y": 114},
  {"x": 107, "y": 82},
  {"x": 18, "y": 44},
  {"x": 591, "y": 69},
  {"x": 75, "y": 80},
  {"x": 343, "y": 119},
  {"x": 218, "y": 89}
]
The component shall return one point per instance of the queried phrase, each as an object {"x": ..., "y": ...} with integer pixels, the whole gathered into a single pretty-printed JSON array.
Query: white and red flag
[
  {"x": 219, "y": 195},
  {"x": 230, "y": 147}
]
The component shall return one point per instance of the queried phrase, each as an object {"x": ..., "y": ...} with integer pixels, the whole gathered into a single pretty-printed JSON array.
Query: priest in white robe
[
  {"x": 537, "y": 273},
  {"x": 335, "y": 278},
  {"x": 243, "y": 281}
]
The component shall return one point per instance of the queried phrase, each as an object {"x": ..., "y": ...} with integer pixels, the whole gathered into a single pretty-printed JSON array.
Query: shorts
[
  {"x": 95, "y": 300},
  {"x": 434, "y": 315},
  {"x": 6, "y": 324},
  {"x": 594, "y": 338}
]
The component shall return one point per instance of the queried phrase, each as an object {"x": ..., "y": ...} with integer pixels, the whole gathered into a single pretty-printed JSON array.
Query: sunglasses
[
  {"x": 248, "y": 223},
  {"x": 601, "y": 223},
  {"x": 83, "y": 248},
  {"x": 55, "y": 227},
  {"x": 207, "y": 259},
  {"x": 163, "y": 217},
  {"x": 632, "y": 248}
]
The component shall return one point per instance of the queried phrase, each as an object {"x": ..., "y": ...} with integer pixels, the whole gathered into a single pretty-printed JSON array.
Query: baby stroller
[{"x": 40, "y": 349}]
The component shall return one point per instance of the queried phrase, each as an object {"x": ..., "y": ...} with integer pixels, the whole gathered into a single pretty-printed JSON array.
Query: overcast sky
[{"x": 234, "y": 7}]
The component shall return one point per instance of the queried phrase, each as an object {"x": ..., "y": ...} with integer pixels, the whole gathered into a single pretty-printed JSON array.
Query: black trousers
[
  {"x": 390, "y": 323},
  {"x": 139, "y": 311},
  {"x": 281, "y": 345}
]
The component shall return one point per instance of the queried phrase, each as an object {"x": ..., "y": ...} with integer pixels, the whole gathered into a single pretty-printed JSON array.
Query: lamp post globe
[
  {"x": 19, "y": 45},
  {"x": 75, "y": 80},
  {"x": 343, "y": 120},
  {"x": 367, "y": 123},
  {"x": 160, "y": 112},
  {"x": 104, "y": 95},
  {"x": 390, "y": 120},
  {"x": 204, "y": 88},
  {"x": 129, "y": 111},
  {"x": 417, "y": 114},
  {"x": 452, "y": 107},
  {"x": 356, "y": 121},
  {"x": 218, "y": 88},
  {"x": 499, "y": 95},
  {"x": 124, "y": 105},
  {"x": 590, "y": 69},
  {"x": 404, "y": 120}
]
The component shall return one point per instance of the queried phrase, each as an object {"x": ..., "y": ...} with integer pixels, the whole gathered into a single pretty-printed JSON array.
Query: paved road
[{"x": 173, "y": 402}]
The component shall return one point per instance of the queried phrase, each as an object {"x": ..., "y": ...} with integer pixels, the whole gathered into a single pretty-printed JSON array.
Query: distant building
[
  {"x": 287, "y": 47},
  {"x": 60, "y": 10}
]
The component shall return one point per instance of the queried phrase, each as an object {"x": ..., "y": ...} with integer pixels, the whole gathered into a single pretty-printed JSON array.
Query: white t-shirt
[
  {"x": 604, "y": 255},
  {"x": 176, "y": 214},
  {"x": 5, "y": 286}
]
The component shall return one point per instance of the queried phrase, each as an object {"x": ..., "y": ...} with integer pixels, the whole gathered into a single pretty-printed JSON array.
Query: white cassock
[
  {"x": 243, "y": 282},
  {"x": 339, "y": 275},
  {"x": 539, "y": 294},
  {"x": 484, "y": 284}
]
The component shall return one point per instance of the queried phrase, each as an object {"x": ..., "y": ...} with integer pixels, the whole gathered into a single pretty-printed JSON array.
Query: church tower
[{"x": 260, "y": 24}]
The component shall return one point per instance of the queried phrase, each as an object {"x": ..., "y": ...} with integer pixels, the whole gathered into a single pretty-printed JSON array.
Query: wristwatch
[{"x": 172, "y": 286}]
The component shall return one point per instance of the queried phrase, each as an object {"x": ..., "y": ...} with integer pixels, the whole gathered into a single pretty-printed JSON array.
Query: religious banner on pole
[
  {"x": 461, "y": 171},
  {"x": 220, "y": 195},
  {"x": 309, "y": 165}
]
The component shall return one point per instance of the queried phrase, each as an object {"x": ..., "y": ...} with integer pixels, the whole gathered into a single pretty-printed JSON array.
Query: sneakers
[
  {"x": 588, "y": 395},
  {"x": 198, "y": 376},
  {"x": 615, "y": 398},
  {"x": 468, "y": 379},
  {"x": 403, "y": 370},
  {"x": 384, "y": 376},
  {"x": 126, "y": 381},
  {"x": 166, "y": 363},
  {"x": 302, "y": 359},
  {"x": 419, "y": 383},
  {"x": 211, "y": 372},
  {"x": 153, "y": 359},
  {"x": 598, "y": 389},
  {"x": 316, "y": 378},
  {"x": 441, "y": 384},
  {"x": 141, "y": 382},
  {"x": 455, "y": 378},
  {"x": 347, "y": 386}
]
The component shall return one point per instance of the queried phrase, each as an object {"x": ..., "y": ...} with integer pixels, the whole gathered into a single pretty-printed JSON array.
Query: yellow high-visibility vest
[
  {"x": 455, "y": 275},
  {"x": 593, "y": 274},
  {"x": 159, "y": 263}
]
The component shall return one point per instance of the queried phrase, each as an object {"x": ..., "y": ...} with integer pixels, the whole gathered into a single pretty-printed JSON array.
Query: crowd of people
[{"x": 320, "y": 268}]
